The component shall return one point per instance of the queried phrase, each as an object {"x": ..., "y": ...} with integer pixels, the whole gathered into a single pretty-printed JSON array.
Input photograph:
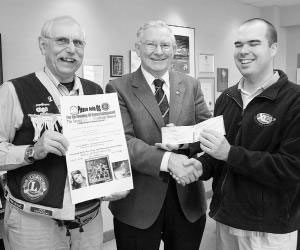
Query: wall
[
  {"x": 290, "y": 20},
  {"x": 110, "y": 27}
]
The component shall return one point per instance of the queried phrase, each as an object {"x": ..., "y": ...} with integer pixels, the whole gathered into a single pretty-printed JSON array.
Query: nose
[
  {"x": 158, "y": 49},
  {"x": 70, "y": 47},
  {"x": 244, "y": 49}
]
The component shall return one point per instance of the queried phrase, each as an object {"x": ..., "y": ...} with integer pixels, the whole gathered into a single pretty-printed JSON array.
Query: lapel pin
[{"x": 177, "y": 92}]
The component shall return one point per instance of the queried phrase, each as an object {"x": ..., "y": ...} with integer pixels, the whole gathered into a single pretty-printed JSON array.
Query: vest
[{"x": 42, "y": 182}]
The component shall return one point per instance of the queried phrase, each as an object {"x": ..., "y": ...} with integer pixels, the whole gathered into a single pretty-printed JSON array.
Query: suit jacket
[{"x": 142, "y": 121}]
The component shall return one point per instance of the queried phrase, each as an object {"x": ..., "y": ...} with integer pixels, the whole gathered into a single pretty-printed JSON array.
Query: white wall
[{"x": 110, "y": 27}]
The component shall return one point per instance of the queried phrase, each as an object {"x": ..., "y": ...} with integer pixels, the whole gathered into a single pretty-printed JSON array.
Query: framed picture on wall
[
  {"x": 1, "y": 69},
  {"x": 222, "y": 79},
  {"x": 184, "y": 58},
  {"x": 207, "y": 85},
  {"x": 134, "y": 61},
  {"x": 206, "y": 63},
  {"x": 116, "y": 66}
]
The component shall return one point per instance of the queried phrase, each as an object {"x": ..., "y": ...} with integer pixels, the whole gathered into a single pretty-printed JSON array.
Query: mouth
[
  {"x": 158, "y": 59},
  {"x": 246, "y": 61},
  {"x": 67, "y": 59}
]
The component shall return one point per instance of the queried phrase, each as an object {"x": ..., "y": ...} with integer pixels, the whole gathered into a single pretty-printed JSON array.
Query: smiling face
[
  {"x": 253, "y": 54},
  {"x": 156, "y": 50},
  {"x": 63, "y": 61}
]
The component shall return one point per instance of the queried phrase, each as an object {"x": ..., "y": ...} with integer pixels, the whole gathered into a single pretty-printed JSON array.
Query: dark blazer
[{"x": 142, "y": 123}]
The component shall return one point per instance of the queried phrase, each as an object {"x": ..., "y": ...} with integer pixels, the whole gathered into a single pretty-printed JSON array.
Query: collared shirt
[
  {"x": 247, "y": 96},
  {"x": 150, "y": 78},
  {"x": 166, "y": 88},
  {"x": 12, "y": 156}
]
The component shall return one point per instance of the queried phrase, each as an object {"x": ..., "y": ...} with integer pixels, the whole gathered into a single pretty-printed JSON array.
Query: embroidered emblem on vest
[
  {"x": 41, "y": 211},
  {"x": 264, "y": 119},
  {"x": 34, "y": 186},
  {"x": 42, "y": 108}
]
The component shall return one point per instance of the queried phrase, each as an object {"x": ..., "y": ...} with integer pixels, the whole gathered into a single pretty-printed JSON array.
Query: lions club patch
[
  {"x": 264, "y": 119},
  {"x": 34, "y": 186}
]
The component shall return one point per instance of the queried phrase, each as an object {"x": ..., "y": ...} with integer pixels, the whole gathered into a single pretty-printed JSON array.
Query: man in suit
[{"x": 158, "y": 208}]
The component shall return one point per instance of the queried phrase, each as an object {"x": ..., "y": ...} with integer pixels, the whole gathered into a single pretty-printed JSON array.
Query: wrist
[{"x": 29, "y": 154}]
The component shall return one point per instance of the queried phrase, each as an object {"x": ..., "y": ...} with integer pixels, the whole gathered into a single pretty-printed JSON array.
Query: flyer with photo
[{"x": 97, "y": 158}]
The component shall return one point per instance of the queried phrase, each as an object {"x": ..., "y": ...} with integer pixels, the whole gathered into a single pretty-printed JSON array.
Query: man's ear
[
  {"x": 274, "y": 48},
  {"x": 137, "y": 48},
  {"x": 42, "y": 45}
]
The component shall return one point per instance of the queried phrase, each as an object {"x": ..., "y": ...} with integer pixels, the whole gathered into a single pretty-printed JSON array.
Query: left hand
[
  {"x": 115, "y": 196},
  {"x": 214, "y": 144}
]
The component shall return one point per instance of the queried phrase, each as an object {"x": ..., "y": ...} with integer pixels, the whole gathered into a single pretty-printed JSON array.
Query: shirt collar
[
  {"x": 77, "y": 84},
  {"x": 273, "y": 79},
  {"x": 150, "y": 78}
]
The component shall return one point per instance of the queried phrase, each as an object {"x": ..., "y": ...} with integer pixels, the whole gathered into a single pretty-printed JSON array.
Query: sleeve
[
  {"x": 278, "y": 169},
  {"x": 11, "y": 114},
  {"x": 145, "y": 158}
]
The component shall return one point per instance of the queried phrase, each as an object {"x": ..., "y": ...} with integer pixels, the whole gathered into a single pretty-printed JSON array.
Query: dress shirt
[
  {"x": 166, "y": 88},
  {"x": 247, "y": 96}
]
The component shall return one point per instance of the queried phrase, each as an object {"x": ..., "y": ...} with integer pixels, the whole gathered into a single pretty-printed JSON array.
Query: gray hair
[
  {"x": 157, "y": 24},
  {"x": 48, "y": 25}
]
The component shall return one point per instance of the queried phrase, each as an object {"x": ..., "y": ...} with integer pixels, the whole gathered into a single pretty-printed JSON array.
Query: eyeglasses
[
  {"x": 151, "y": 46},
  {"x": 64, "y": 42}
]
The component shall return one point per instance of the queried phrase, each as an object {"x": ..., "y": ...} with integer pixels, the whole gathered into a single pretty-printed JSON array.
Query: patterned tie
[{"x": 161, "y": 99}]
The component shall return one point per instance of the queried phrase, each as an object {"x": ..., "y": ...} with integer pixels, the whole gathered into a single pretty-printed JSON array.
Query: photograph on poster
[
  {"x": 116, "y": 66},
  {"x": 207, "y": 85},
  {"x": 222, "y": 79},
  {"x": 98, "y": 170},
  {"x": 206, "y": 63},
  {"x": 184, "y": 58},
  {"x": 134, "y": 61}
]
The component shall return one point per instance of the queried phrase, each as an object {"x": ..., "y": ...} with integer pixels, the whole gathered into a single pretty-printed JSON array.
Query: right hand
[
  {"x": 183, "y": 174},
  {"x": 50, "y": 142}
]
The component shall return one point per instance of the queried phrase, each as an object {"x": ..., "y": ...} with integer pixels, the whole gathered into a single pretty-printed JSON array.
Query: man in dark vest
[{"x": 39, "y": 213}]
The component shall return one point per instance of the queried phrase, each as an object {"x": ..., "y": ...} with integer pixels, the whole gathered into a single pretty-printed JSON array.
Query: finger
[
  {"x": 208, "y": 141},
  {"x": 162, "y": 146},
  {"x": 205, "y": 149},
  {"x": 170, "y": 125},
  {"x": 172, "y": 146}
]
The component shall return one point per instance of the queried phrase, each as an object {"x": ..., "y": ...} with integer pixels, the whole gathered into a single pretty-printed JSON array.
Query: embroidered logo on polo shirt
[
  {"x": 34, "y": 186},
  {"x": 264, "y": 119}
]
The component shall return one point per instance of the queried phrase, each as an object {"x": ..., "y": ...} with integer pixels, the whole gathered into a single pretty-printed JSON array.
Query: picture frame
[
  {"x": 222, "y": 79},
  {"x": 94, "y": 73},
  {"x": 206, "y": 63},
  {"x": 134, "y": 61},
  {"x": 1, "y": 69},
  {"x": 116, "y": 66},
  {"x": 207, "y": 85},
  {"x": 184, "y": 58}
]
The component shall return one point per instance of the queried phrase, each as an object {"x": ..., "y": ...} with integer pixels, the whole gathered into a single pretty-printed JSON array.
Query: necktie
[{"x": 161, "y": 99}]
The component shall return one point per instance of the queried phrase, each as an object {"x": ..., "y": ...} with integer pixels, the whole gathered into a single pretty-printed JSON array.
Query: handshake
[{"x": 183, "y": 169}]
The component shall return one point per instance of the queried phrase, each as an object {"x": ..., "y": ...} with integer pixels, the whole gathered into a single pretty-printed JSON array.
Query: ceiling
[{"x": 264, "y": 3}]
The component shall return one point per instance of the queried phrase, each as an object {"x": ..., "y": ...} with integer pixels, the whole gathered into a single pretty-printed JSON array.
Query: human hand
[
  {"x": 214, "y": 144},
  {"x": 181, "y": 173},
  {"x": 115, "y": 196},
  {"x": 50, "y": 142}
]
